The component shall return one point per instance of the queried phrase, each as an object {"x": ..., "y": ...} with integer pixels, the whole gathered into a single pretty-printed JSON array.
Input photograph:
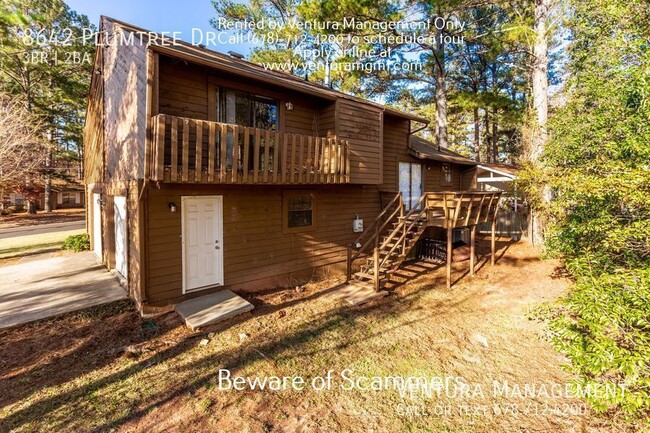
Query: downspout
[{"x": 417, "y": 130}]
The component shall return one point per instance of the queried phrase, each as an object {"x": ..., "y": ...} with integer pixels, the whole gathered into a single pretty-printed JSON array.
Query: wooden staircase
[
  {"x": 387, "y": 241},
  {"x": 392, "y": 235}
]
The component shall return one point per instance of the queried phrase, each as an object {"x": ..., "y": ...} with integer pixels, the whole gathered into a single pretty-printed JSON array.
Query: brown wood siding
[
  {"x": 302, "y": 119},
  {"x": 433, "y": 177},
  {"x": 257, "y": 254},
  {"x": 184, "y": 90},
  {"x": 327, "y": 121},
  {"x": 468, "y": 181},
  {"x": 395, "y": 151},
  {"x": 361, "y": 125}
]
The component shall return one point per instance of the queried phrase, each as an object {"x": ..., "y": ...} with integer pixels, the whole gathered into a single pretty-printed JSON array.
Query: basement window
[{"x": 298, "y": 210}]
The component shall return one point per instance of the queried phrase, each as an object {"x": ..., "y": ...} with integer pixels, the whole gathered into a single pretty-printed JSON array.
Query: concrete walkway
[
  {"x": 39, "y": 229},
  {"x": 39, "y": 288}
]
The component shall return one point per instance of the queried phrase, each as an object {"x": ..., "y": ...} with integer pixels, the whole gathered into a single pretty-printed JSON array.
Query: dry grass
[
  {"x": 57, "y": 216},
  {"x": 73, "y": 373}
]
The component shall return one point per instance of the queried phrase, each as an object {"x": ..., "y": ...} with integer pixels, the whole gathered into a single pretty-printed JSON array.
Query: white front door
[
  {"x": 202, "y": 228},
  {"x": 120, "y": 234},
  {"x": 97, "y": 226}
]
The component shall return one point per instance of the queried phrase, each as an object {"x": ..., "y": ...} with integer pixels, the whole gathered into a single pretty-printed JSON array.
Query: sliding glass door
[{"x": 410, "y": 183}]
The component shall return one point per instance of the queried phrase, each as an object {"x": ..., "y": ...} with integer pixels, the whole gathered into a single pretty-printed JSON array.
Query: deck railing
[
  {"x": 460, "y": 208},
  {"x": 199, "y": 151}
]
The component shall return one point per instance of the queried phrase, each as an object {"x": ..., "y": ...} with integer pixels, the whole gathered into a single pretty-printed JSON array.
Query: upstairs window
[
  {"x": 446, "y": 175},
  {"x": 246, "y": 109}
]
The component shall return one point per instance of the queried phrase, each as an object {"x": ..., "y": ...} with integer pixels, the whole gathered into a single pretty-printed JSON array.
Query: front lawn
[
  {"x": 107, "y": 369},
  {"x": 34, "y": 244}
]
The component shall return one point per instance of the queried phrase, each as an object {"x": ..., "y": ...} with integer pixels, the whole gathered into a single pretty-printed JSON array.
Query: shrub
[
  {"x": 596, "y": 166},
  {"x": 77, "y": 242},
  {"x": 603, "y": 327}
]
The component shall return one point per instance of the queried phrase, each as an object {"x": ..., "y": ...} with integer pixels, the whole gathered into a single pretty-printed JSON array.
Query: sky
[{"x": 159, "y": 16}]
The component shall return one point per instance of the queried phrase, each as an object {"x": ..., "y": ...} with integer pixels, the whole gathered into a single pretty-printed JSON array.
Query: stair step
[{"x": 366, "y": 276}]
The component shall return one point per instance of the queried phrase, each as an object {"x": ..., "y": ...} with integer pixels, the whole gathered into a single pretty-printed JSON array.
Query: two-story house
[{"x": 205, "y": 171}]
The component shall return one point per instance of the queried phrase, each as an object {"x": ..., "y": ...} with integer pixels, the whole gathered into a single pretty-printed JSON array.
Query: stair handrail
[
  {"x": 403, "y": 227},
  {"x": 409, "y": 214},
  {"x": 373, "y": 226}
]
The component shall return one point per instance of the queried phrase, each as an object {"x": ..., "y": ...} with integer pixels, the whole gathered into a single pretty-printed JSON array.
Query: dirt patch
[
  {"x": 56, "y": 216},
  {"x": 113, "y": 371}
]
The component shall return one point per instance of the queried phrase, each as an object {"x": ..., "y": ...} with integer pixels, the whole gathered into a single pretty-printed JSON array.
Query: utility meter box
[{"x": 357, "y": 225}]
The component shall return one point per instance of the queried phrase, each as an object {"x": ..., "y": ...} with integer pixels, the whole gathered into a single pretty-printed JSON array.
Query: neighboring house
[
  {"x": 206, "y": 171},
  {"x": 63, "y": 197}
]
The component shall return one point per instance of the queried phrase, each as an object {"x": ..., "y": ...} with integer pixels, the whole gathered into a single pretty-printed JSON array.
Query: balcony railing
[{"x": 199, "y": 151}]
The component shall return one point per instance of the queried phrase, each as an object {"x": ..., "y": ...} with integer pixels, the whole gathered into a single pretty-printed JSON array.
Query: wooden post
[
  {"x": 245, "y": 164},
  {"x": 198, "y": 152},
  {"x": 309, "y": 164},
  {"x": 494, "y": 223},
  {"x": 174, "y": 150},
  {"x": 256, "y": 155},
  {"x": 402, "y": 220},
  {"x": 185, "y": 168},
  {"x": 376, "y": 276},
  {"x": 235, "y": 154},
  {"x": 472, "y": 240},
  {"x": 223, "y": 169},
  {"x": 376, "y": 259},
  {"x": 300, "y": 158},
  {"x": 212, "y": 150},
  {"x": 276, "y": 156},
  {"x": 349, "y": 265},
  {"x": 449, "y": 253},
  {"x": 160, "y": 148}
]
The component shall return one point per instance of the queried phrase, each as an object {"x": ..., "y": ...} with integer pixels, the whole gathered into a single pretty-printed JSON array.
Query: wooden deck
[
  {"x": 199, "y": 151},
  {"x": 387, "y": 241}
]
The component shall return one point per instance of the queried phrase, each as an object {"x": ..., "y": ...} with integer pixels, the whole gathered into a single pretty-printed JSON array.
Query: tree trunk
[
  {"x": 47, "y": 206},
  {"x": 539, "y": 136},
  {"x": 47, "y": 202},
  {"x": 477, "y": 135},
  {"x": 540, "y": 80},
  {"x": 441, "y": 91},
  {"x": 487, "y": 141},
  {"x": 495, "y": 137}
]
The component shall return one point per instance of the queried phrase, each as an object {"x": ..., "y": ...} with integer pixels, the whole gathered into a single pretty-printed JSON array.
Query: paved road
[
  {"x": 41, "y": 229},
  {"x": 45, "y": 287}
]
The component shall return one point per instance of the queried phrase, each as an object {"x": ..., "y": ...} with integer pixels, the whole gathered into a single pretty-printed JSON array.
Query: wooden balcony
[{"x": 199, "y": 151}]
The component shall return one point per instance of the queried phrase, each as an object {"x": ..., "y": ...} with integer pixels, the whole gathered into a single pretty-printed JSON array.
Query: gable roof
[
  {"x": 241, "y": 67},
  {"x": 424, "y": 149}
]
